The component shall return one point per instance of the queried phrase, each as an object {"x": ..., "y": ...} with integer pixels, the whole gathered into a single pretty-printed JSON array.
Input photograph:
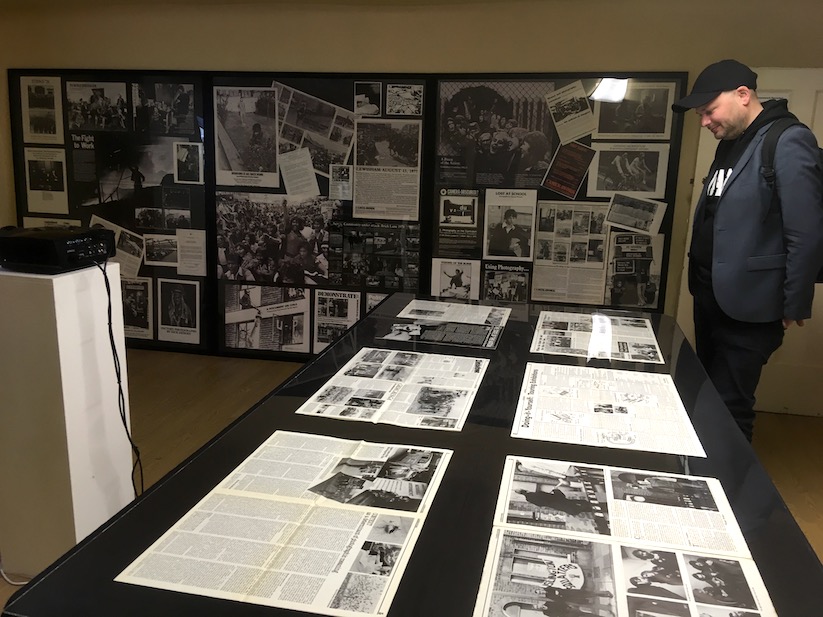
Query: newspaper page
[
  {"x": 577, "y": 539},
  {"x": 387, "y": 169},
  {"x": 192, "y": 246},
  {"x": 334, "y": 313},
  {"x": 41, "y": 104},
  {"x": 459, "y": 313},
  {"x": 608, "y": 408},
  {"x": 664, "y": 509},
  {"x": 547, "y": 573},
  {"x": 481, "y": 123},
  {"x": 307, "y": 522},
  {"x": 596, "y": 335},
  {"x": 298, "y": 172},
  {"x": 403, "y": 388},
  {"x": 569, "y": 263}
]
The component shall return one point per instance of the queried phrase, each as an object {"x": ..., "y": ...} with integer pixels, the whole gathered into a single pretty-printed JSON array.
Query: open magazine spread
[
  {"x": 307, "y": 522},
  {"x": 403, "y": 388},
  {"x": 447, "y": 323},
  {"x": 577, "y": 539},
  {"x": 604, "y": 407},
  {"x": 596, "y": 335},
  {"x": 456, "y": 313},
  {"x": 444, "y": 333}
]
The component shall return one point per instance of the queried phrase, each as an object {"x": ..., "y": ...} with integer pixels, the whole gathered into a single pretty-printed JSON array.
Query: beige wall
[{"x": 401, "y": 35}]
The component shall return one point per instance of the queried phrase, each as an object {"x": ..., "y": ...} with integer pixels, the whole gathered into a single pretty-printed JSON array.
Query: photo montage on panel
[
  {"x": 317, "y": 205},
  {"x": 545, "y": 194},
  {"x": 124, "y": 151}
]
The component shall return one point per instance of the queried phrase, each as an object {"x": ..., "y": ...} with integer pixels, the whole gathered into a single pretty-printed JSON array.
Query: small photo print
[
  {"x": 639, "y": 170},
  {"x": 458, "y": 211},
  {"x": 42, "y": 110},
  {"x": 718, "y": 581},
  {"x": 644, "y": 113},
  {"x": 404, "y": 100},
  {"x": 96, "y": 106},
  {"x": 161, "y": 250},
  {"x": 453, "y": 278},
  {"x": 368, "y": 97},
  {"x": 636, "y": 213},
  {"x": 505, "y": 286},
  {"x": 46, "y": 176},
  {"x": 130, "y": 243},
  {"x": 137, "y": 307}
]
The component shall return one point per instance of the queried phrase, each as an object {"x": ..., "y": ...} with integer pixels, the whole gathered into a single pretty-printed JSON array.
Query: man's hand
[{"x": 789, "y": 322}]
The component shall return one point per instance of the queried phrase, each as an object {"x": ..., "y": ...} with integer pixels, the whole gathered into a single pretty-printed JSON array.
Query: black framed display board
[
  {"x": 444, "y": 574},
  {"x": 262, "y": 214}
]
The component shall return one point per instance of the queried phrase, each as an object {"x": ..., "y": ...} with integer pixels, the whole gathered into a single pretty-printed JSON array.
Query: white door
[{"x": 792, "y": 381}]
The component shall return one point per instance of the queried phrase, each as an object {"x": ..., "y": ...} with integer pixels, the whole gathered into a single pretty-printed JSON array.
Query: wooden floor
[{"x": 179, "y": 401}]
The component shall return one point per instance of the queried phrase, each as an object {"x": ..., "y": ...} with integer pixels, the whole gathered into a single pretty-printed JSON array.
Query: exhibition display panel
[
  {"x": 485, "y": 541},
  {"x": 246, "y": 204}
]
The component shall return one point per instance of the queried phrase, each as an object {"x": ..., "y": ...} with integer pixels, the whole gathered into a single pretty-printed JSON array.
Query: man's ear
[{"x": 744, "y": 94}]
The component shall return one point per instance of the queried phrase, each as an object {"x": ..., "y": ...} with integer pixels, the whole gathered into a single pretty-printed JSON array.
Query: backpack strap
[{"x": 767, "y": 150}]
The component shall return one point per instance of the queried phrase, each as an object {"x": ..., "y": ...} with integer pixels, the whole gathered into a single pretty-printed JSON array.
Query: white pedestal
[{"x": 65, "y": 460}]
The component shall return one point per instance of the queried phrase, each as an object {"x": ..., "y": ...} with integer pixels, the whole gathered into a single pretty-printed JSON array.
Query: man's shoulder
[{"x": 788, "y": 133}]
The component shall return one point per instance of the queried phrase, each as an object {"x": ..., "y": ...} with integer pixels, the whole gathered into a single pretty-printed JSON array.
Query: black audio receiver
[{"x": 54, "y": 250}]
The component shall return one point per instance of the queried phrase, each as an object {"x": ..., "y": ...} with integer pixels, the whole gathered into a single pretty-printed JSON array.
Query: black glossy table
[{"x": 444, "y": 572}]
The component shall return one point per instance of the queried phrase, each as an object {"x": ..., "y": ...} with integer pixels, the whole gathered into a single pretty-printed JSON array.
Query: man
[
  {"x": 236, "y": 271},
  {"x": 179, "y": 313},
  {"x": 619, "y": 169},
  {"x": 294, "y": 239},
  {"x": 180, "y": 106},
  {"x": 751, "y": 267},
  {"x": 507, "y": 239},
  {"x": 456, "y": 279}
]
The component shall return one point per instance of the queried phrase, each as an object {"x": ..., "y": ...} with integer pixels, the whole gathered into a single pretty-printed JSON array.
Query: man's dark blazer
[{"x": 765, "y": 259}]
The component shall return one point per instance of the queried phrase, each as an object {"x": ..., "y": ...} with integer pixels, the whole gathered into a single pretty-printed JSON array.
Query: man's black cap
[{"x": 716, "y": 78}]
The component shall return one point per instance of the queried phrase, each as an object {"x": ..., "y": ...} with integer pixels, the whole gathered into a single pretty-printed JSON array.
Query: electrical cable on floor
[
  {"x": 7, "y": 579},
  {"x": 121, "y": 399}
]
